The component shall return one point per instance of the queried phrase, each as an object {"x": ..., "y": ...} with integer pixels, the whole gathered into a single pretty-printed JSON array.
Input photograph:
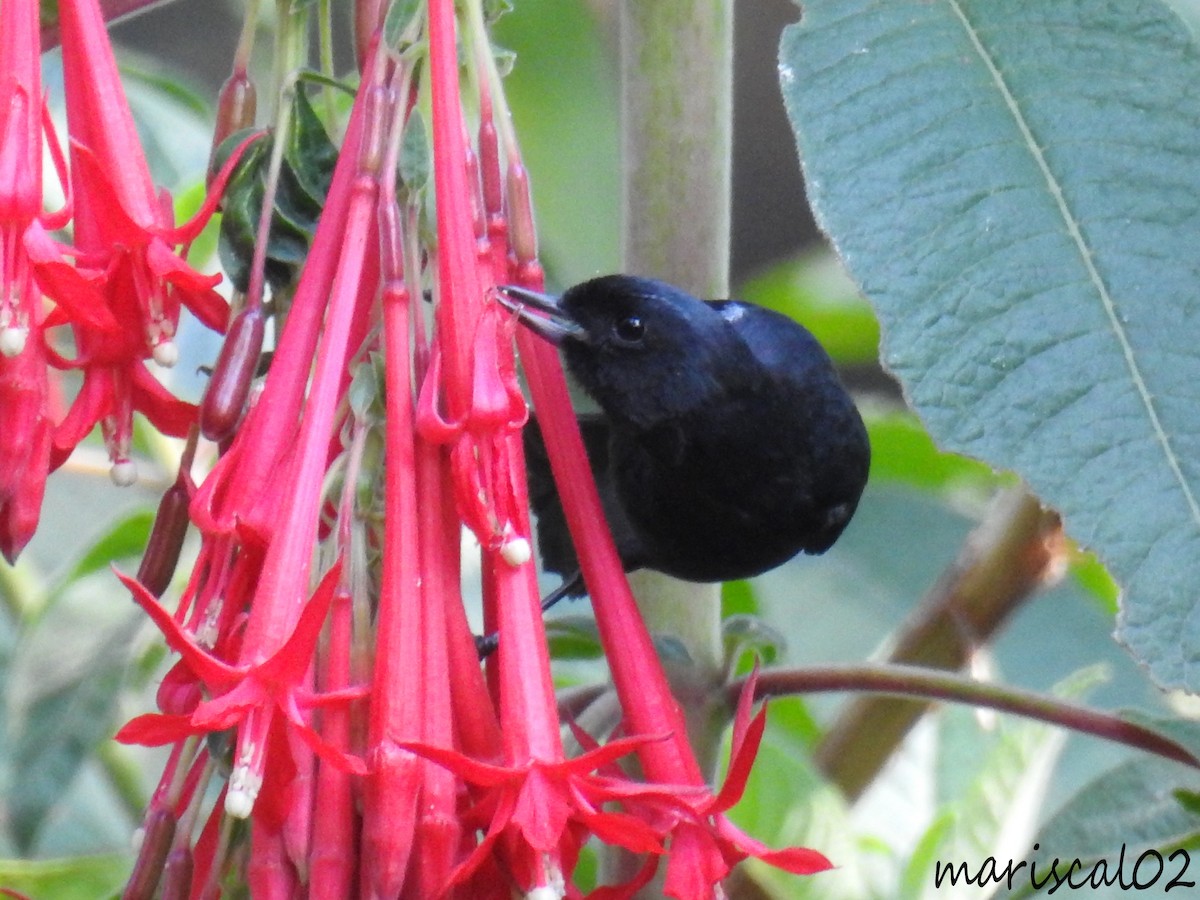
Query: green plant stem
[
  {"x": 676, "y": 89},
  {"x": 933, "y": 684},
  {"x": 676, "y": 125},
  {"x": 291, "y": 46},
  {"x": 325, "y": 42},
  {"x": 1002, "y": 563}
]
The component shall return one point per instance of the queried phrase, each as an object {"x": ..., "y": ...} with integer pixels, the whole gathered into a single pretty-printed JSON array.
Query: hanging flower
[
  {"x": 32, "y": 263},
  {"x": 370, "y": 748},
  {"x": 124, "y": 230}
]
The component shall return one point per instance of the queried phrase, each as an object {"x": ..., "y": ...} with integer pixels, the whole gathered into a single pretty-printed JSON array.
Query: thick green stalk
[
  {"x": 676, "y": 95},
  {"x": 677, "y": 131},
  {"x": 676, "y": 128}
]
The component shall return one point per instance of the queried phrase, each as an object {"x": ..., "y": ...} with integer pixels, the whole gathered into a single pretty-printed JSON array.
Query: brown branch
[{"x": 1001, "y": 564}]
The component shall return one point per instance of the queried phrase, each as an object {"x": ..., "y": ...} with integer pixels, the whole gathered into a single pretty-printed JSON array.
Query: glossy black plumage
[{"x": 727, "y": 443}]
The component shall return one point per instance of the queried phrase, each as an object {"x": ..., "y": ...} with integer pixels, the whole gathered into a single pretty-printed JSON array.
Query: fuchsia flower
[
  {"x": 382, "y": 755},
  {"x": 704, "y": 845},
  {"x": 31, "y": 263},
  {"x": 125, "y": 230},
  {"x": 249, "y": 694},
  {"x": 119, "y": 288}
]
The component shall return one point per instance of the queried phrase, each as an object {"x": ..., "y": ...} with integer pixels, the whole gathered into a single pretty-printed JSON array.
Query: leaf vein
[{"x": 1076, "y": 235}]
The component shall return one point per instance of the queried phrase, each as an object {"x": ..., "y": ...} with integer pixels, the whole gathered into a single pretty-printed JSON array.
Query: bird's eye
[{"x": 630, "y": 330}]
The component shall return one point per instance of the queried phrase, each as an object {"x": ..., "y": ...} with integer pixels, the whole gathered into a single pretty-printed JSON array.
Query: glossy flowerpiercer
[{"x": 726, "y": 445}]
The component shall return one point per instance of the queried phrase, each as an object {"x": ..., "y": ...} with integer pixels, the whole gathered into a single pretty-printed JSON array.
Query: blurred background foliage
[{"x": 76, "y": 659}]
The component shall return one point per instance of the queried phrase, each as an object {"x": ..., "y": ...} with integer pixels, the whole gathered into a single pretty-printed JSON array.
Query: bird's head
[{"x": 644, "y": 350}]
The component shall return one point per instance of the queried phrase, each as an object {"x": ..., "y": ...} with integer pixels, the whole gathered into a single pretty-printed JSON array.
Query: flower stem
[{"x": 933, "y": 684}]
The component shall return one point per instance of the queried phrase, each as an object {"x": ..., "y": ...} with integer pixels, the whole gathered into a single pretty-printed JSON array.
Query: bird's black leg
[
  {"x": 570, "y": 587},
  {"x": 486, "y": 645}
]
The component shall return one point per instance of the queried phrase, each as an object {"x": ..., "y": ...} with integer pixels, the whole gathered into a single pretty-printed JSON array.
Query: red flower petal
[
  {"x": 166, "y": 412},
  {"x": 208, "y": 669},
  {"x": 156, "y": 729},
  {"x": 77, "y": 294},
  {"x": 103, "y": 201}
]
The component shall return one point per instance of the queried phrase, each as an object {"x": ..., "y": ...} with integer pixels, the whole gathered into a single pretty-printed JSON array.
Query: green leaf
[
  {"x": 573, "y": 637},
  {"x": 400, "y": 16},
  {"x": 494, "y": 9},
  {"x": 304, "y": 178},
  {"x": 903, "y": 451},
  {"x": 64, "y": 688},
  {"x": 505, "y": 60},
  {"x": 73, "y": 878},
  {"x": 1135, "y": 804},
  {"x": 1022, "y": 209},
  {"x": 743, "y": 634},
  {"x": 995, "y": 813},
  {"x": 737, "y": 598},
  {"x": 187, "y": 204},
  {"x": 309, "y": 154},
  {"x": 366, "y": 393},
  {"x": 125, "y": 538},
  {"x": 173, "y": 124},
  {"x": 414, "y": 163}
]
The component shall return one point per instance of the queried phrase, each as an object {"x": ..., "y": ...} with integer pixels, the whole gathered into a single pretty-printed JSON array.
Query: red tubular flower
[
  {"x": 250, "y": 694},
  {"x": 24, "y": 444},
  {"x": 29, "y": 258},
  {"x": 259, "y": 514},
  {"x": 126, "y": 231},
  {"x": 704, "y": 844},
  {"x": 466, "y": 789},
  {"x": 31, "y": 263},
  {"x": 537, "y": 807}
]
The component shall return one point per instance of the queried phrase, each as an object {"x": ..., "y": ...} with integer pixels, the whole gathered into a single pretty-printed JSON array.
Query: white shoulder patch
[{"x": 733, "y": 312}]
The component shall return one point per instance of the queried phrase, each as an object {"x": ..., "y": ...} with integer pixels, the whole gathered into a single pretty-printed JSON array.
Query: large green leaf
[{"x": 1016, "y": 186}]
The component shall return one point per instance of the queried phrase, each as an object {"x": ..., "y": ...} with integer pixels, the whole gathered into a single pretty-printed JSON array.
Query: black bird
[{"x": 726, "y": 445}]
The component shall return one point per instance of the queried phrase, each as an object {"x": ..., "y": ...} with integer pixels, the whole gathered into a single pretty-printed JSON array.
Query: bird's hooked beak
[{"x": 541, "y": 313}]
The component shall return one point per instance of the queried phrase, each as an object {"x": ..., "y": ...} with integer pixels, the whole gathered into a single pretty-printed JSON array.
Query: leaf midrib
[{"x": 1085, "y": 253}]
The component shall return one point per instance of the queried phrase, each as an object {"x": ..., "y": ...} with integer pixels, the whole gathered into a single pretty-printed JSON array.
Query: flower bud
[
  {"x": 237, "y": 104},
  {"x": 520, "y": 215},
  {"x": 489, "y": 168},
  {"x": 177, "y": 874},
  {"x": 166, "y": 539},
  {"x": 229, "y": 386}
]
